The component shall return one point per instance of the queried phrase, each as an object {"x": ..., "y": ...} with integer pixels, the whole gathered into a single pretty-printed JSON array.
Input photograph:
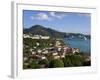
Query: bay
[{"x": 83, "y": 45}]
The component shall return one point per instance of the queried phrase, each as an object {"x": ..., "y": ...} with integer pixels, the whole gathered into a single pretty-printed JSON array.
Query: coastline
[
  {"x": 45, "y": 55},
  {"x": 84, "y": 45}
]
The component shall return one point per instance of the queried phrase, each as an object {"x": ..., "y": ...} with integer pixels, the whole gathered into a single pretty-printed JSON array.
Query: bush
[
  {"x": 33, "y": 64},
  {"x": 56, "y": 63},
  {"x": 67, "y": 62},
  {"x": 26, "y": 66},
  {"x": 44, "y": 62},
  {"x": 73, "y": 60}
]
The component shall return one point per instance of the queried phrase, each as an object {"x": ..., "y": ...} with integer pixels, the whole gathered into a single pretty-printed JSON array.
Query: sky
[{"x": 61, "y": 21}]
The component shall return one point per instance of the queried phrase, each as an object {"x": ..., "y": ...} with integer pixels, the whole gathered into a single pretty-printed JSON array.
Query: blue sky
[{"x": 61, "y": 21}]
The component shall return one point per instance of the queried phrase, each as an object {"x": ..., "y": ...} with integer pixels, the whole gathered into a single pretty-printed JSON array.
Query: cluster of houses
[
  {"x": 58, "y": 50},
  {"x": 36, "y": 36}
]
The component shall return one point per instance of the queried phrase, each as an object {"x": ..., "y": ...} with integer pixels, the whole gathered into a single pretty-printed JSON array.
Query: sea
[{"x": 83, "y": 45}]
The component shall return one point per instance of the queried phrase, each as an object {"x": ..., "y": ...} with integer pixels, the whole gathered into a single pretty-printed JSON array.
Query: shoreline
[
  {"x": 55, "y": 50},
  {"x": 71, "y": 44}
]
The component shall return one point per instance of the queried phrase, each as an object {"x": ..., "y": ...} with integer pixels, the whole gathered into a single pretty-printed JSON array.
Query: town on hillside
[{"x": 45, "y": 52}]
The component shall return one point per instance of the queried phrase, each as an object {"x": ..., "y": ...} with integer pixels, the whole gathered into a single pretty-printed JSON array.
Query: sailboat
[{"x": 85, "y": 38}]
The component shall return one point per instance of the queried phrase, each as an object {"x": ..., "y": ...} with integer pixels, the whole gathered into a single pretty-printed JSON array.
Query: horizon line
[{"x": 58, "y": 30}]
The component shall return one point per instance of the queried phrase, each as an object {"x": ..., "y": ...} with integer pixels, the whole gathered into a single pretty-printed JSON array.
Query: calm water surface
[{"x": 83, "y": 45}]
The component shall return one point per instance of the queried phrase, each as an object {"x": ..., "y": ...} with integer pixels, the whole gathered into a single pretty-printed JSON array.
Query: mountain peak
[
  {"x": 37, "y": 26},
  {"x": 41, "y": 30}
]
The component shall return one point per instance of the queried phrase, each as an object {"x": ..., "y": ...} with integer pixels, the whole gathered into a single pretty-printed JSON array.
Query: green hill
[{"x": 41, "y": 30}]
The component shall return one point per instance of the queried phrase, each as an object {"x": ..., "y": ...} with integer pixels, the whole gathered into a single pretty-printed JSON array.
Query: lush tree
[
  {"x": 44, "y": 62},
  {"x": 34, "y": 64},
  {"x": 73, "y": 60},
  {"x": 56, "y": 63},
  {"x": 26, "y": 65},
  {"x": 67, "y": 62}
]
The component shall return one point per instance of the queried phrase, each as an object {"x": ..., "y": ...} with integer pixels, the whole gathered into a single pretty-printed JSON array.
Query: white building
[
  {"x": 62, "y": 56},
  {"x": 54, "y": 54},
  {"x": 44, "y": 37},
  {"x": 35, "y": 37},
  {"x": 26, "y": 36},
  {"x": 43, "y": 57},
  {"x": 58, "y": 43},
  {"x": 59, "y": 49},
  {"x": 75, "y": 50},
  {"x": 56, "y": 57},
  {"x": 25, "y": 58},
  {"x": 37, "y": 44},
  {"x": 45, "y": 52},
  {"x": 39, "y": 51},
  {"x": 33, "y": 52},
  {"x": 40, "y": 37}
]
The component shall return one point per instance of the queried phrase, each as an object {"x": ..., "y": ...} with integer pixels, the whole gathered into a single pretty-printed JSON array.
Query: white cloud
[
  {"x": 55, "y": 15},
  {"x": 48, "y": 17},
  {"x": 41, "y": 16}
]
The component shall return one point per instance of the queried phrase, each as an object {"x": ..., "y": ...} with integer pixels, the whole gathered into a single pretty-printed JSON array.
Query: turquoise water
[{"x": 83, "y": 45}]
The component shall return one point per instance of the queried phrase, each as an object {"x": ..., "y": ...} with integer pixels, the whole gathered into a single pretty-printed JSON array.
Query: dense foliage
[
  {"x": 68, "y": 61},
  {"x": 71, "y": 60},
  {"x": 56, "y": 63}
]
